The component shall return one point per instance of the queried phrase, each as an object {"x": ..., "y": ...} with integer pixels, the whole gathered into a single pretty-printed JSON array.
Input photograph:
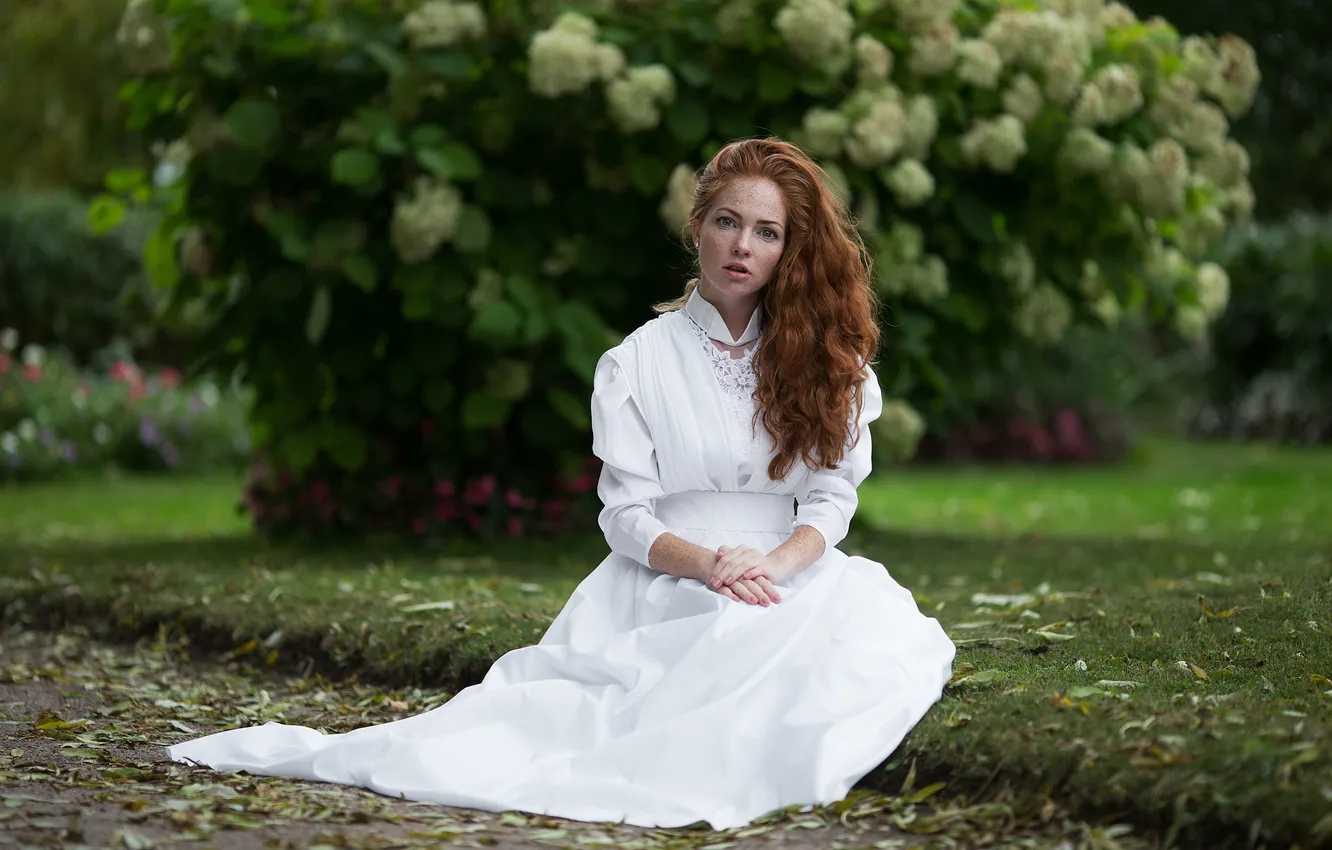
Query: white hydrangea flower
[
  {"x": 1022, "y": 99},
  {"x": 1112, "y": 95},
  {"x": 874, "y": 61},
  {"x": 1018, "y": 268},
  {"x": 636, "y": 99},
  {"x": 927, "y": 280},
  {"x": 27, "y": 430},
  {"x": 1197, "y": 232},
  {"x": 1107, "y": 308},
  {"x": 424, "y": 220},
  {"x": 679, "y": 199},
  {"x": 9, "y": 339},
  {"x": 565, "y": 59},
  {"x": 1213, "y": 289},
  {"x": 934, "y": 51},
  {"x": 915, "y": 16},
  {"x": 1239, "y": 201},
  {"x": 1085, "y": 152},
  {"x": 1007, "y": 32},
  {"x": 1161, "y": 188},
  {"x": 1205, "y": 127},
  {"x": 978, "y": 63},
  {"x": 609, "y": 60},
  {"x": 1172, "y": 103},
  {"x": 9, "y": 442},
  {"x": 1130, "y": 169},
  {"x": 1044, "y": 315},
  {"x": 442, "y": 23},
  {"x": 1237, "y": 75},
  {"x": 736, "y": 20},
  {"x": 1191, "y": 322},
  {"x": 1226, "y": 165},
  {"x": 817, "y": 31},
  {"x": 1117, "y": 16},
  {"x": 1063, "y": 77},
  {"x": 922, "y": 126},
  {"x": 998, "y": 143},
  {"x": 904, "y": 242},
  {"x": 1199, "y": 62},
  {"x": 824, "y": 131},
  {"x": 911, "y": 183},
  {"x": 1166, "y": 265},
  {"x": 896, "y": 434},
  {"x": 877, "y": 136},
  {"x": 33, "y": 355}
]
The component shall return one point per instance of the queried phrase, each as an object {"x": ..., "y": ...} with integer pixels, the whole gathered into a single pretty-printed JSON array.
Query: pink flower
[
  {"x": 515, "y": 527},
  {"x": 513, "y": 498},
  {"x": 446, "y": 511},
  {"x": 4, "y": 363},
  {"x": 584, "y": 482},
  {"x": 480, "y": 490},
  {"x": 33, "y": 372},
  {"x": 554, "y": 509},
  {"x": 444, "y": 489},
  {"x": 319, "y": 490}
]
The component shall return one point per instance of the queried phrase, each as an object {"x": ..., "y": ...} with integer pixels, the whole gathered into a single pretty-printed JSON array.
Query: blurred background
[{"x": 362, "y": 256}]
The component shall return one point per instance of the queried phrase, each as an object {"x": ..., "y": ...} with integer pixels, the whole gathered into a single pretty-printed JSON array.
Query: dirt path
[{"x": 82, "y": 725}]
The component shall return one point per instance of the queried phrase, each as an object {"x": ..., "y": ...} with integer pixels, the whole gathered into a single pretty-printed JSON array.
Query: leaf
[
  {"x": 1084, "y": 691},
  {"x": 497, "y": 322},
  {"x": 1319, "y": 680},
  {"x": 387, "y": 58},
  {"x": 361, "y": 271},
  {"x": 104, "y": 213},
  {"x": 1054, "y": 636},
  {"x": 347, "y": 445},
  {"x": 976, "y": 217},
  {"x": 440, "y": 605},
  {"x": 438, "y": 395},
  {"x": 775, "y": 82},
  {"x": 570, "y": 408},
  {"x": 428, "y": 136},
  {"x": 253, "y": 123},
  {"x": 688, "y": 120},
  {"x": 474, "y": 231},
  {"x": 482, "y": 410},
  {"x": 927, "y": 792},
  {"x": 649, "y": 174},
  {"x": 317, "y": 319},
  {"x": 300, "y": 447},
  {"x": 449, "y": 64},
  {"x": 355, "y": 167}
]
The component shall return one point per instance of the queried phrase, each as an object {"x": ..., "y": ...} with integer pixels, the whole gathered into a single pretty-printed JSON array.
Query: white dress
[{"x": 652, "y": 700}]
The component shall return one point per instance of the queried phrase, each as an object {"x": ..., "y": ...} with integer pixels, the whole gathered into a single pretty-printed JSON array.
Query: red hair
[{"x": 820, "y": 313}]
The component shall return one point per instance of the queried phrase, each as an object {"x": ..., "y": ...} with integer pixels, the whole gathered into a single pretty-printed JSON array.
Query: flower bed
[{"x": 57, "y": 419}]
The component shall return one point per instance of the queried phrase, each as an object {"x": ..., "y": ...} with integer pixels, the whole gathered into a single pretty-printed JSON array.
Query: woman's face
[{"x": 741, "y": 238}]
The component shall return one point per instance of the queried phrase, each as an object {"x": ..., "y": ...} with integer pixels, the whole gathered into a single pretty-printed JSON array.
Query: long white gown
[{"x": 652, "y": 700}]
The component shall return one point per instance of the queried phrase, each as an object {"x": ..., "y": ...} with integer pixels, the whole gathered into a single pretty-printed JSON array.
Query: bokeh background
[{"x": 364, "y": 255}]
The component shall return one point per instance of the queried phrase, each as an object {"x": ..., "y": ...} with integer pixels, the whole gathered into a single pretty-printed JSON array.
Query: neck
[{"x": 735, "y": 311}]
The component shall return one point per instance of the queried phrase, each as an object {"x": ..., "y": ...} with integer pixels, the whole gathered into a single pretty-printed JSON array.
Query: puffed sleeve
[
  {"x": 629, "y": 480},
  {"x": 827, "y": 500}
]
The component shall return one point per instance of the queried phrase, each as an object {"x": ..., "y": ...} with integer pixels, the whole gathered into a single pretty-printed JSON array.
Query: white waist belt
[{"x": 711, "y": 510}]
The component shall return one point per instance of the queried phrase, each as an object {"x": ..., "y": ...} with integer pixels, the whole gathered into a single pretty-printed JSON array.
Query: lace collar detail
[{"x": 706, "y": 317}]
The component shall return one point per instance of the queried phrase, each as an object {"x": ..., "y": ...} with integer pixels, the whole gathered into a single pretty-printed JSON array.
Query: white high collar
[{"x": 710, "y": 320}]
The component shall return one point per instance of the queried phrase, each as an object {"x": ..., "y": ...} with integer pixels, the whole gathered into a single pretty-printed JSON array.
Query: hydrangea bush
[
  {"x": 419, "y": 223},
  {"x": 56, "y": 418}
]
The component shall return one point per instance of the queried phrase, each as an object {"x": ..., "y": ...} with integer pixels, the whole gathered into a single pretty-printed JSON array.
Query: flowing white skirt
[{"x": 653, "y": 701}]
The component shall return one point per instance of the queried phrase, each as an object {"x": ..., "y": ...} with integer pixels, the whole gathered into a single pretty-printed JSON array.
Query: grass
[{"x": 1147, "y": 641}]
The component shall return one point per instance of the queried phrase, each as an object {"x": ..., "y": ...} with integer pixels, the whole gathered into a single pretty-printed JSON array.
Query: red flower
[
  {"x": 4, "y": 363},
  {"x": 515, "y": 527},
  {"x": 444, "y": 489},
  {"x": 583, "y": 483},
  {"x": 170, "y": 378},
  {"x": 33, "y": 372},
  {"x": 445, "y": 511}
]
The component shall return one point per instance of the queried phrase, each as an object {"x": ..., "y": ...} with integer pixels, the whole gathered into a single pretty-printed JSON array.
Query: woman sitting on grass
[{"x": 725, "y": 659}]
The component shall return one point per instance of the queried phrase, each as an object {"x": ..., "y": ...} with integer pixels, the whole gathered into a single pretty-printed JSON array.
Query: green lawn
[{"x": 1149, "y": 641}]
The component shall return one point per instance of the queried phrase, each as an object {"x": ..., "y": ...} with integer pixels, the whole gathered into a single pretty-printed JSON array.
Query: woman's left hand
[{"x": 746, "y": 562}]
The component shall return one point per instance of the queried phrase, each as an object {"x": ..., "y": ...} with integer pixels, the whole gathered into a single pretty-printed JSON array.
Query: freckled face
[{"x": 741, "y": 238}]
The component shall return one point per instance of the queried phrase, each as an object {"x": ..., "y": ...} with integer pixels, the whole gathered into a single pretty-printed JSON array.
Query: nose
[{"x": 741, "y": 247}]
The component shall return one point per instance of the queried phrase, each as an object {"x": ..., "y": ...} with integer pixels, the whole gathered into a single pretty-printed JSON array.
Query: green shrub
[
  {"x": 63, "y": 285},
  {"x": 418, "y": 227},
  {"x": 1271, "y": 352},
  {"x": 56, "y": 418}
]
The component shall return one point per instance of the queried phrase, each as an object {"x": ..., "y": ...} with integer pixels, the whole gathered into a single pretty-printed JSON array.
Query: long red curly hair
[{"x": 820, "y": 313}]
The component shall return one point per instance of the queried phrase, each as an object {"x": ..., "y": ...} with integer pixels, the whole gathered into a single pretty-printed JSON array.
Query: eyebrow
[{"x": 737, "y": 215}]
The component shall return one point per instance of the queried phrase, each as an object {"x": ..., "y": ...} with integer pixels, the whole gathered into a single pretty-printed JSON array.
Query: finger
[
  {"x": 745, "y": 593},
  {"x": 759, "y": 593},
  {"x": 773, "y": 593},
  {"x": 736, "y": 570},
  {"x": 729, "y": 594},
  {"x": 722, "y": 550},
  {"x": 755, "y": 572}
]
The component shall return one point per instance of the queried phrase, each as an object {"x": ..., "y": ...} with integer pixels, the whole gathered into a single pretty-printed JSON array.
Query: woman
[{"x": 726, "y": 659}]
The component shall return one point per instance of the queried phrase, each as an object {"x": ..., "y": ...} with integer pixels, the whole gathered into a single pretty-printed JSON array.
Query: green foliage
[
  {"x": 1289, "y": 130},
  {"x": 417, "y": 233},
  {"x": 63, "y": 285},
  {"x": 59, "y": 73},
  {"x": 1271, "y": 352}
]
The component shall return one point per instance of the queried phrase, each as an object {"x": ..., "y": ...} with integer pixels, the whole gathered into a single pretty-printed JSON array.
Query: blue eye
[
  {"x": 725, "y": 220},
  {"x": 772, "y": 234}
]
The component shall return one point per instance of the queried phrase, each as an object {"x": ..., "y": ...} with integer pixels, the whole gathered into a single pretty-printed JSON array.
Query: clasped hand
[{"x": 745, "y": 574}]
